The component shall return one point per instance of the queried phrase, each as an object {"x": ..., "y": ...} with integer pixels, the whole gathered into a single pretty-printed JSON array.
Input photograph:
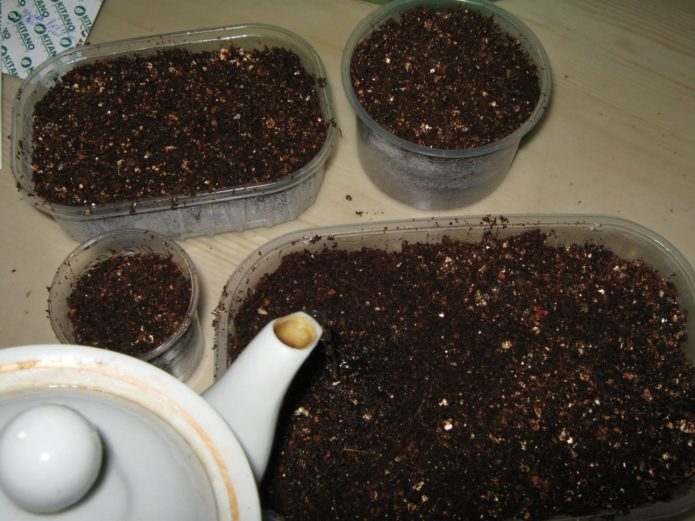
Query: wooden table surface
[{"x": 618, "y": 138}]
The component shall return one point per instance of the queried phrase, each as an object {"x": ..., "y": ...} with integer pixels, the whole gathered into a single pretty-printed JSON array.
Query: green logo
[
  {"x": 80, "y": 10},
  {"x": 40, "y": 29},
  {"x": 14, "y": 16},
  {"x": 26, "y": 62},
  {"x": 65, "y": 42}
]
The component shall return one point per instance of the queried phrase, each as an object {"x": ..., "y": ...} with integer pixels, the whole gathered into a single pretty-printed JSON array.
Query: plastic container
[
  {"x": 624, "y": 238},
  {"x": 206, "y": 213},
  {"x": 430, "y": 178},
  {"x": 179, "y": 354}
]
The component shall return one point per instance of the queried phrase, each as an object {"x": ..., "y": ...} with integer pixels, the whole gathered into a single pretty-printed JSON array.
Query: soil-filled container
[
  {"x": 365, "y": 381},
  {"x": 436, "y": 134},
  {"x": 132, "y": 291},
  {"x": 262, "y": 191}
]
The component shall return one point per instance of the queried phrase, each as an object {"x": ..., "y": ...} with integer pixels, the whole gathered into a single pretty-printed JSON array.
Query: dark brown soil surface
[
  {"x": 491, "y": 380},
  {"x": 447, "y": 78},
  {"x": 129, "y": 303},
  {"x": 175, "y": 123}
]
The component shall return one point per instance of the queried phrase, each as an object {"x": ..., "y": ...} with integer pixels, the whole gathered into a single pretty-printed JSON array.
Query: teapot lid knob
[{"x": 50, "y": 456}]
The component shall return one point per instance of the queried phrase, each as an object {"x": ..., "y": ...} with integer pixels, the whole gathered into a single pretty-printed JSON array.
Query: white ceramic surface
[
  {"x": 250, "y": 393},
  {"x": 167, "y": 453},
  {"x": 50, "y": 456}
]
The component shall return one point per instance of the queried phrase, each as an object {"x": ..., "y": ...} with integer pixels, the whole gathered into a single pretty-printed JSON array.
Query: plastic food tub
[
  {"x": 624, "y": 238},
  {"x": 205, "y": 213},
  {"x": 180, "y": 354},
  {"x": 430, "y": 178}
]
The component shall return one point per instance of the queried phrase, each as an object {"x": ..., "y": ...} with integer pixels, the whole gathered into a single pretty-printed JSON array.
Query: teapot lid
[{"x": 138, "y": 443}]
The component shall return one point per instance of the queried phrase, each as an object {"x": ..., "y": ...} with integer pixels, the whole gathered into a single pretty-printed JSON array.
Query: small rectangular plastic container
[
  {"x": 206, "y": 213},
  {"x": 625, "y": 238}
]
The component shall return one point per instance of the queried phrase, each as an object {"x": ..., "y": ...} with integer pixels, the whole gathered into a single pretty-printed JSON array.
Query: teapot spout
[{"x": 249, "y": 395}]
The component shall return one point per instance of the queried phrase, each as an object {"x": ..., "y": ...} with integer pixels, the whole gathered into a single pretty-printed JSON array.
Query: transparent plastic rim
[
  {"x": 395, "y": 7},
  {"x": 105, "y": 239},
  {"x": 154, "y": 204}
]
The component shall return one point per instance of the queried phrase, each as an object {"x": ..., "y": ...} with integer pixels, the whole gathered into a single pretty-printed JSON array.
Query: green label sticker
[
  {"x": 46, "y": 39},
  {"x": 35, "y": 30},
  {"x": 64, "y": 15},
  {"x": 42, "y": 9},
  {"x": 16, "y": 18},
  {"x": 8, "y": 62},
  {"x": 84, "y": 17}
]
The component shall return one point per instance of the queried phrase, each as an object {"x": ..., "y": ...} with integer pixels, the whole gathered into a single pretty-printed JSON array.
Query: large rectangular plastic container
[
  {"x": 206, "y": 213},
  {"x": 625, "y": 238}
]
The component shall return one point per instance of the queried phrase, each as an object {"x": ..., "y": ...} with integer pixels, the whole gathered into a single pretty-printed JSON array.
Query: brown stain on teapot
[{"x": 24, "y": 365}]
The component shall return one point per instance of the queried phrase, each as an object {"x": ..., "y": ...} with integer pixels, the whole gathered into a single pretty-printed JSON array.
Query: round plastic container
[
  {"x": 430, "y": 178},
  {"x": 181, "y": 352}
]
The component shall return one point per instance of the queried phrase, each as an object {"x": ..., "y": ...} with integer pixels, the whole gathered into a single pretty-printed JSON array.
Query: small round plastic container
[
  {"x": 181, "y": 352},
  {"x": 430, "y": 178},
  {"x": 235, "y": 208}
]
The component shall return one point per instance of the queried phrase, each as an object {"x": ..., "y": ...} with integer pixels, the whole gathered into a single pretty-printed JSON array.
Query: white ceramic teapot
[{"x": 89, "y": 434}]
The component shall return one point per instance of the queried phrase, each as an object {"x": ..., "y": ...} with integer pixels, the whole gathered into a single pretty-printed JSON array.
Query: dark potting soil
[
  {"x": 491, "y": 380},
  {"x": 175, "y": 123},
  {"x": 129, "y": 303},
  {"x": 447, "y": 78}
]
